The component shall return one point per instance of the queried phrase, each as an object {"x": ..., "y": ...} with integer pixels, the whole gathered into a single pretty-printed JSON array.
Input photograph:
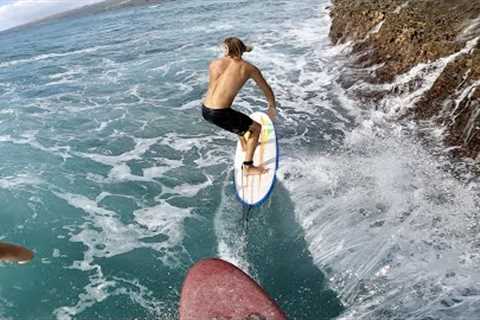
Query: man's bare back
[{"x": 227, "y": 76}]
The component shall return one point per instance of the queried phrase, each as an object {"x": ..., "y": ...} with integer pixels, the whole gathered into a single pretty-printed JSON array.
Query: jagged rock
[{"x": 400, "y": 34}]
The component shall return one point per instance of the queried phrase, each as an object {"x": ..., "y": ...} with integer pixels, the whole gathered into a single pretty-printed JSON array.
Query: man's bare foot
[{"x": 253, "y": 170}]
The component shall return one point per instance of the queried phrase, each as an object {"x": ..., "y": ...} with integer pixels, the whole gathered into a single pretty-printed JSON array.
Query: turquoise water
[
  {"x": 115, "y": 181},
  {"x": 112, "y": 177}
]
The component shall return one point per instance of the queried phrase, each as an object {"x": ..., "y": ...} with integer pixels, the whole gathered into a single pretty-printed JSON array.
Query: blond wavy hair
[{"x": 235, "y": 47}]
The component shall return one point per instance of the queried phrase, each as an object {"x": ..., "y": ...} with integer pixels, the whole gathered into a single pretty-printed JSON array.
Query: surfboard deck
[
  {"x": 254, "y": 190},
  {"x": 214, "y": 288}
]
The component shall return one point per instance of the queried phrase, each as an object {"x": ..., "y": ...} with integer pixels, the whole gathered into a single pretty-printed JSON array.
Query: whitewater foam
[
  {"x": 105, "y": 235},
  {"x": 49, "y": 56}
]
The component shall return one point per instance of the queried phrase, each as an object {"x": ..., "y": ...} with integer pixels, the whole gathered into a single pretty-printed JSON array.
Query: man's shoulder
[
  {"x": 215, "y": 62},
  {"x": 250, "y": 67}
]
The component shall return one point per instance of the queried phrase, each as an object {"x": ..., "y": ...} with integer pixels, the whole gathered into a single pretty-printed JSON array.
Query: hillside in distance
[{"x": 92, "y": 9}]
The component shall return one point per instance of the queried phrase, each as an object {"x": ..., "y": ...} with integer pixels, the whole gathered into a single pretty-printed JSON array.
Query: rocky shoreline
[{"x": 394, "y": 36}]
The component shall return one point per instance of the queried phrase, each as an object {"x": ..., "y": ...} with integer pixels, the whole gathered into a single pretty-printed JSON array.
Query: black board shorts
[{"x": 228, "y": 119}]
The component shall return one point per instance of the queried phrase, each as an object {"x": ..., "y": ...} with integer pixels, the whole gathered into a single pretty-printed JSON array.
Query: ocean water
[{"x": 112, "y": 177}]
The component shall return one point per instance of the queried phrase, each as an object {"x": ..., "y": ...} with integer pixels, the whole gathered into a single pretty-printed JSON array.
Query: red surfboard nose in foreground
[{"x": 216, "y": 289}]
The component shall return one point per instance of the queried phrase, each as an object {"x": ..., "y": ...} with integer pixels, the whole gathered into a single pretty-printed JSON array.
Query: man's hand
[{"x": 272, "y": 112}]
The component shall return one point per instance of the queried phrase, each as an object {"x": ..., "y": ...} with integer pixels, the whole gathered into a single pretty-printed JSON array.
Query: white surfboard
[{"x": 254, "y": 190}]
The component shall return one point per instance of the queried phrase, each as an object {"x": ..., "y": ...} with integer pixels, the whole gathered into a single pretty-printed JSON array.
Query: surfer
[{"x": 227, "y": 76}]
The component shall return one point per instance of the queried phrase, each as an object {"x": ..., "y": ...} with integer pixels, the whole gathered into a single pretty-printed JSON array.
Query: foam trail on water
[{"x": 229, "y": 231}]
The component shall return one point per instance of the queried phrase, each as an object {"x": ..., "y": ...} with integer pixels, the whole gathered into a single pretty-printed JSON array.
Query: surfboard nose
[{"x": 216, "y": 289}]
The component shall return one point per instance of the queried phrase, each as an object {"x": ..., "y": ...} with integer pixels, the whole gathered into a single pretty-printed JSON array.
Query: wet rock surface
[{"x": 398, "y": 35}]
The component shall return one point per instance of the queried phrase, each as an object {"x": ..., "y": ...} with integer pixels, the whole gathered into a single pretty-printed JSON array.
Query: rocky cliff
[{"x": 394, "y": 37}]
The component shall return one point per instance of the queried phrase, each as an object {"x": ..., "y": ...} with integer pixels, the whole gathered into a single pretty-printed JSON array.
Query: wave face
[{"x": 112, "y": 176}]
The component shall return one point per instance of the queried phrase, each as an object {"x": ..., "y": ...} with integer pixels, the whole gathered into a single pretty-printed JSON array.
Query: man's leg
[
  {"x": 251, "y": 146},
  {"x": 243, "y": 141}
]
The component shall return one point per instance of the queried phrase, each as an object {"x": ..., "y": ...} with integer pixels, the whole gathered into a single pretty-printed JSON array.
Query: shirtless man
[{"x": 226, "y": 77}]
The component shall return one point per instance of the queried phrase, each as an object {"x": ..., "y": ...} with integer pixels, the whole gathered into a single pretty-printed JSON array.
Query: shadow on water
[{"x": 280, "y": 260}]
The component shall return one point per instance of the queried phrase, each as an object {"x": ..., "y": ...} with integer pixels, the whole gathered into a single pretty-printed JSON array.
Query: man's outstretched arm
[{"x": 257, "y": 76}]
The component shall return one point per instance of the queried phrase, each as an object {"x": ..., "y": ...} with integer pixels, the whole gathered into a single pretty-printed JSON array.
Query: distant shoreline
[{"x": 87, "y": 10}]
